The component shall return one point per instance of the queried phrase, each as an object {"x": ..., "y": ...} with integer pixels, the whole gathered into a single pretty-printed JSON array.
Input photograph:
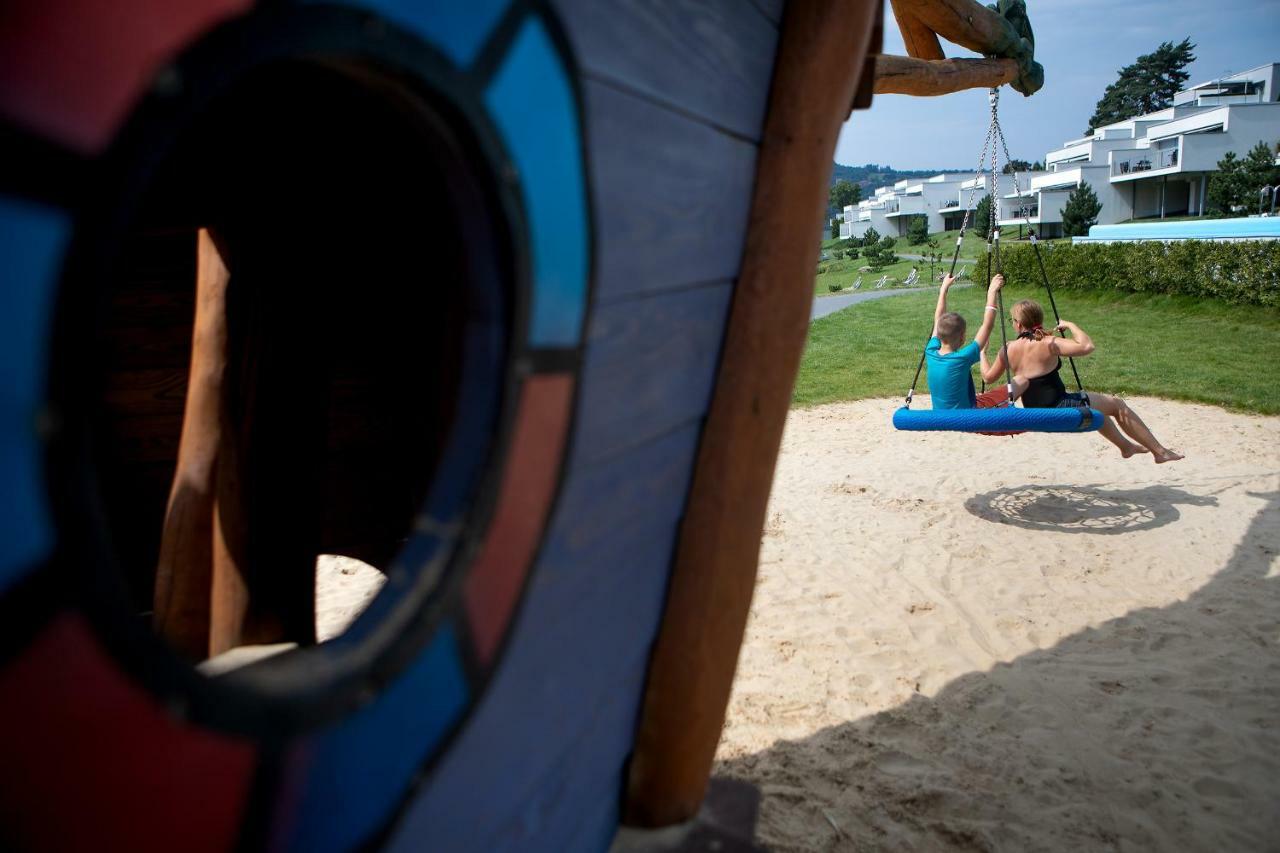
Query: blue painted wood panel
[
  {"x": 771, "y": 9},
  {"x": 671, "y": 197},
  {"x": 650, "y": 367},
  {"x": 709, "y": 58},
  {"x": 585, "y": 630}
]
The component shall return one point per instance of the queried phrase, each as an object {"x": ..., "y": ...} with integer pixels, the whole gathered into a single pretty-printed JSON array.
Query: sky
[{"x": 1081, "y": 44}]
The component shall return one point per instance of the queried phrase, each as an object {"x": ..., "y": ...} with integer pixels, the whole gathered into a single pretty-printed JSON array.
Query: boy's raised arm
[
  {"x": 989, "y": 313},
  {"x": 942, "y": 303}
]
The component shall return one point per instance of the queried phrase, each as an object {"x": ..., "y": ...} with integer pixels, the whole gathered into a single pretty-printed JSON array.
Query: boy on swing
[{"x": 949, "y": 358}]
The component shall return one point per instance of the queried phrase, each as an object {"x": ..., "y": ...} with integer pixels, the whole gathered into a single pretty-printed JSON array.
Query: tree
[
  {"x": 1081, "y": 211},
  {"x": 1226, "y": 186},
  {"x": 1234, "y": 188},
  {"x": 918, "y": 230},
  {"x": 835, "y": 227},
  {"x": 982, "y": 216},
  {"x": 1015, "y": 165},
  {"x": 843, "y": 194},
  {"x": 870, "y": 237},
  {"x": 1147, "y": 85}
]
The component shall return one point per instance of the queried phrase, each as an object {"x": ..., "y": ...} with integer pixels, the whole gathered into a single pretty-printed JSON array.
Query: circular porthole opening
[{"x": 311, "y": 303}]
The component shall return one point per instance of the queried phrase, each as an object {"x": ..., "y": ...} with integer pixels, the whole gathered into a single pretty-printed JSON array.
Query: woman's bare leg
[
  {"x": 1133, "y": 426},
  {"x": 1112, "y": 433}
]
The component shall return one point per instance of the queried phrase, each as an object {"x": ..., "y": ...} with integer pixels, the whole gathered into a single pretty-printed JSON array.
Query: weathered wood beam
[
  {"x": 921, "y": 42},
  {"x": 964, "y": 22},
  {"x": 820, "y": 56},
  {"x": 902, "y": 75},
  {"x": 181, "y": 602}
]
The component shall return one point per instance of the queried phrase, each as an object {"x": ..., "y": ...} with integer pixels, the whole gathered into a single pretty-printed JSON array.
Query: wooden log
[
  {"x": 183, "y": 573},
  {"x": 964, "y": 22},
  {"x": 902, "y": 75},
  {"x": 691, "y": 670},
  {"x": 921, "y": 42}
]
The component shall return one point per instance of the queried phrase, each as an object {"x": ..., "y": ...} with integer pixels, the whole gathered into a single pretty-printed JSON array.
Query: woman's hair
[{"x": 1029, "y": 315}]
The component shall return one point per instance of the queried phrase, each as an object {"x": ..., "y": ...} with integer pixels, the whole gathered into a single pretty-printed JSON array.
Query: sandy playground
[{"x": 969, "y": 643}]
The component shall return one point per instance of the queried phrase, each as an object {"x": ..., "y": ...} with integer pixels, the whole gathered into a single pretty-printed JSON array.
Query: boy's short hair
[{"x": 951, "y": 328}]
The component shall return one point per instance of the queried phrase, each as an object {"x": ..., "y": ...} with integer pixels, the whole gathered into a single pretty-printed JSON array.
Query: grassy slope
[{"x": 1165, "y": 346}]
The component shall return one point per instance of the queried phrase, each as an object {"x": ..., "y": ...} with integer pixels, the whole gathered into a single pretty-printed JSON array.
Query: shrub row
[{"x": 1245, "y": 272}]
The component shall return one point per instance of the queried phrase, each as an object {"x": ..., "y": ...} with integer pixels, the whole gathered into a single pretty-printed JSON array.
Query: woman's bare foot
[
  {"x": 1166, "y": 455},
  {"x": 1126, "y": 452}
]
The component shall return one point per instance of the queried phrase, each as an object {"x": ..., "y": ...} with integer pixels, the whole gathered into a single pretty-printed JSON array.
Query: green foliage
[
  {"x": 844, "y": 193},
  {"x": 888, "y": 242},
  {"x": 851, "y": 253},
  {"x": 1081, "y": 211},
  {"x": 1234, "y": 188},
  {"x": 835, "y": 287},
  {"x": 1179, "y": 347},
  {"x": 835, "y": 227},
  {"x": 982, "y": 216},
  {"x": 918, "y": 230},
  {"x": 1147, "y": 85},
  {"x": 870, "y": 237},
  {"x": 1246, "y": 272}
]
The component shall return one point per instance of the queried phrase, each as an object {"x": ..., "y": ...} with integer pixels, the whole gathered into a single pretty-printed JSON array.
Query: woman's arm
[{"x": 1079, "y": 344}]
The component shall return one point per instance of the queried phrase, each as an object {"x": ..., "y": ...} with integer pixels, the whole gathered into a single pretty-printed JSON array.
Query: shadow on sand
[
  {"x": 1158, "y": 730},
  {"x": 1084, "y": 509}
]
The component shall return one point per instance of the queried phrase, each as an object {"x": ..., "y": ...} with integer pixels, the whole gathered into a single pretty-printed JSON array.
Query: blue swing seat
[{"x": 999, "y": 419}]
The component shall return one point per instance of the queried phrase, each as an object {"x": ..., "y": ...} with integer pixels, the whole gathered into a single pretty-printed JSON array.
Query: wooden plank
[
  {"x": 691, "y": 673},
  {"x": 670, "y": 197},
  {"x": 709, "y": 58},
  {"x": 649, "y": 367},
  {"x": 588, "y": 617}
]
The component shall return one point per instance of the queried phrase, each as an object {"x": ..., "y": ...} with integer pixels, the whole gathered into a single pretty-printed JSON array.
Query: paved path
[{"x": 824, "y": 305}]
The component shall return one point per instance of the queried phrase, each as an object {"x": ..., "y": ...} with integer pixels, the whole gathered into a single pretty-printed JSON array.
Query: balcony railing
[
  {"x": 1153, "y": 159},
  {"x": 950, "y": 203},
  {"x": 1023, "y": 212}
]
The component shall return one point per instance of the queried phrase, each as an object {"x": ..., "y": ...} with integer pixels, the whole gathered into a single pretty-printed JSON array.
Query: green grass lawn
[
  {"x": 1166, "y": 346},
  {"x": 973, "y": 252}
]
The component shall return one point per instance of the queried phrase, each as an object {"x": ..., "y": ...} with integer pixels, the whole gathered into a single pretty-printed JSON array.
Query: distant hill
[{"x": 872, "y": 176}]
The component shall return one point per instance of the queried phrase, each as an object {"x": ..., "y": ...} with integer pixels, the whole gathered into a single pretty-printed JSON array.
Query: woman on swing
[{"x": 1035, "y": 358}]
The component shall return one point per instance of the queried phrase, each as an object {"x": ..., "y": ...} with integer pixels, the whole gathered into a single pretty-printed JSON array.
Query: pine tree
[
  {"x": 1147, "y": 85},
  {"x": 1234, "y": 188},
  {"x": 870, "y": 237},
  {"x": 835, "y": 227},
  {"x": 1081, "y": 211},
  {"x": 982, "y": 216},
  {"x": 918, "y": 230}
]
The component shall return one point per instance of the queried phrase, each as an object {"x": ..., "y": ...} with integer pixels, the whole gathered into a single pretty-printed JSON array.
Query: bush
[
  {"x": 918, "y": 231},
  {"x": 834, "y": 287},
  {"x": 1246, "y": 272}
]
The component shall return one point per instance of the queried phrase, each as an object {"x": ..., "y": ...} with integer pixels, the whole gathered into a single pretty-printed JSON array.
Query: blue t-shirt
[{"x": 950, "y": 380}]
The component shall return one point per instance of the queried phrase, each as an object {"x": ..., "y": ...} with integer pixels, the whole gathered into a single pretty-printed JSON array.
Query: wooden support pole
[
  {"x": 181, "y": 603},
  {"x": 820, "y": 56},
  {"x": 921, "y": 42},
  {"x": 964, "y": 22},
  {"x": 902, "y": 75}
]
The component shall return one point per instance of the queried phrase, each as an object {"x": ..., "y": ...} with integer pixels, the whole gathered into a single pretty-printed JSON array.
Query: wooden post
[
  {"x": 902, "y": 75},
  {"x": 820, "y": 56},
  {"x": 181, "y": 602}
]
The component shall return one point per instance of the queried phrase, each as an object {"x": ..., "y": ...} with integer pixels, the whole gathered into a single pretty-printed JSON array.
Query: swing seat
[
  {"x": 997, "y": 397},
  {"x": 998, "y": 420}
]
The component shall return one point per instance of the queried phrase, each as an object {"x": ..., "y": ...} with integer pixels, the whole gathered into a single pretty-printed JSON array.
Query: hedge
[{"x": 1245, "y": 272}]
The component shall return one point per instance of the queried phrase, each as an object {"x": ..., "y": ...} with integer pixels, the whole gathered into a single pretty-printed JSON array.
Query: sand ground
[{"x": 968, "y": 643}]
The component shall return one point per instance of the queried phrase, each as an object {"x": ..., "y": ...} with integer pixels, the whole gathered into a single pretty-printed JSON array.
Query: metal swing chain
[
  {"x": 993, "y": 239},
  {"x": 987, "y": 143},
  {"x": 1035, "y": 247}
]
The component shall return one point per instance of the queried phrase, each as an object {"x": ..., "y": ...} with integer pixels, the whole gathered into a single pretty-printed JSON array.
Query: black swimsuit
[
  {"x": 1045, "y": 392},
  {"x": 1048, "y": 392}
]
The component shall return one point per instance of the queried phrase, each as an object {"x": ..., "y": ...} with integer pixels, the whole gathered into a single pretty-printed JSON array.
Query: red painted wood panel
[
  {"x": 89, "y": 759},
  {"x": 523, "y": 503},
  {"x": 71, "y": 69}
]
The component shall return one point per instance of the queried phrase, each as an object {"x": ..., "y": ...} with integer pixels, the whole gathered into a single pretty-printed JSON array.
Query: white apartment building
[
  {"x": 1156, "y": 165},
  {"x": 890, "y": 209}
]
